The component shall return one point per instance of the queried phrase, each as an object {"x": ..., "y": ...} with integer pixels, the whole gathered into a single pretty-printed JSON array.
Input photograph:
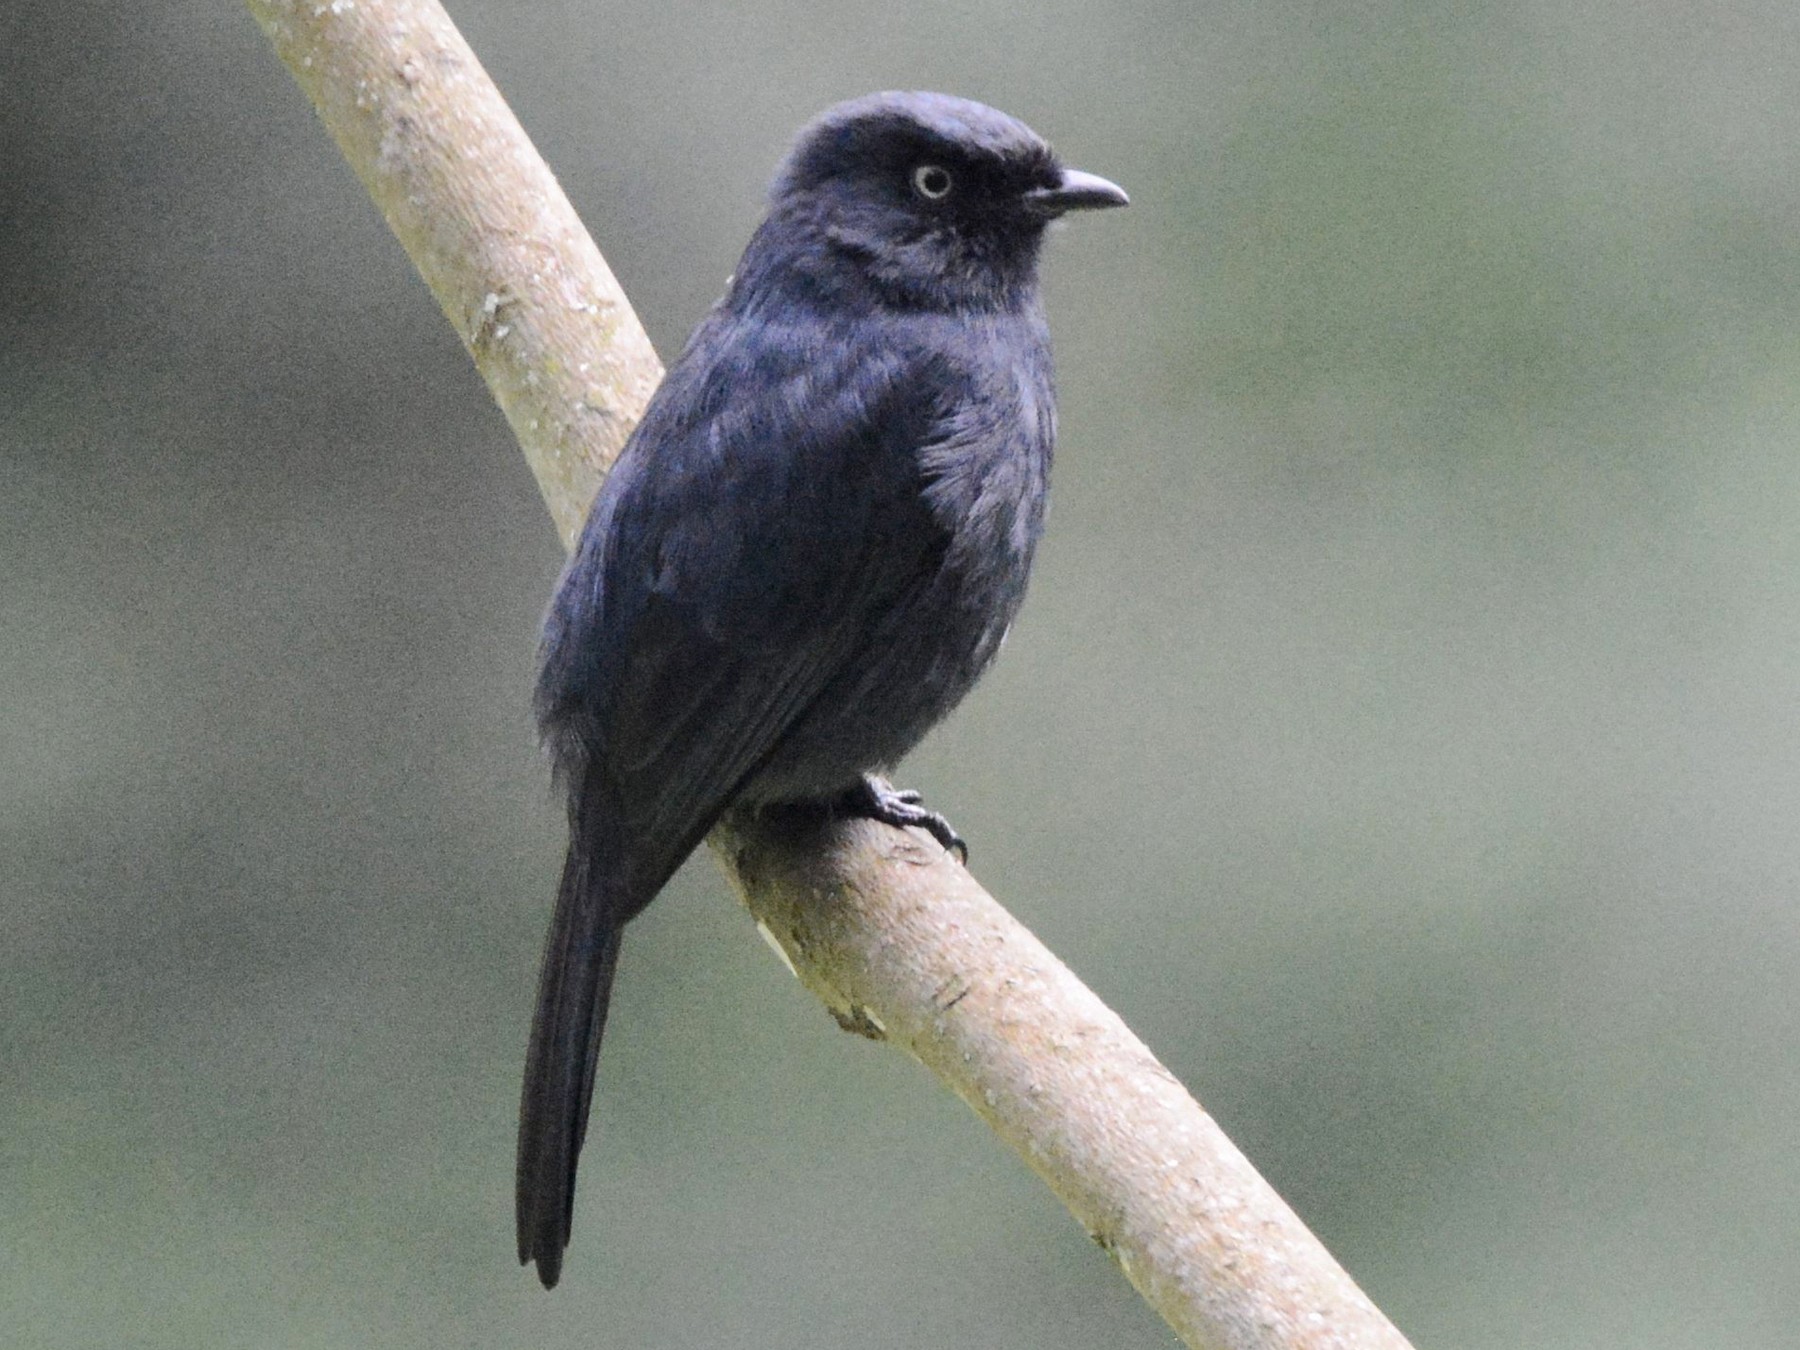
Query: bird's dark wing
[
  {"x": 769, "y": 505},
  {"x": 749, "y": 538}
]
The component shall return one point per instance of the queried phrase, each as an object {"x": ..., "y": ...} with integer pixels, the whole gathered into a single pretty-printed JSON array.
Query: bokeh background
[{"x": 1402, "y": 733}]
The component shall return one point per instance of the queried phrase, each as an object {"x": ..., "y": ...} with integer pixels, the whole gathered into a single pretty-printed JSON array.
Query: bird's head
[{"x": 937, "y": 202}]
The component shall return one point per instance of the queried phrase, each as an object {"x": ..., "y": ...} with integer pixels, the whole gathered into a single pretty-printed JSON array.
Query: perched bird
[{"x": 810, "y": 548}]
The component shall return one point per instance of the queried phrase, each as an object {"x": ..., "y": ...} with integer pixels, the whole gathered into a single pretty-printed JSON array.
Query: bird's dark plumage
[{"x": 810, "y": 548}]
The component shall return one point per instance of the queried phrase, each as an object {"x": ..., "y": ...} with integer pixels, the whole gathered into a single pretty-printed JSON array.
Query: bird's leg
[{"x": 879, "y": 799}]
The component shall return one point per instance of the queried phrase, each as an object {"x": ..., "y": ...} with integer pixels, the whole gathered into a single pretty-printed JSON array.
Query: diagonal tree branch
[{"x": 898, "y": 941}]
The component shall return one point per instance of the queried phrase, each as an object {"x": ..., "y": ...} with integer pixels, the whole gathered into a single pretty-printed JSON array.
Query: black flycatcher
[{"x": 810, "y": 548}]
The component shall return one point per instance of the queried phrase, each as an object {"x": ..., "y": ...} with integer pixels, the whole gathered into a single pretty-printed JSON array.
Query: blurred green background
[{"x": 1402, "y": 733}]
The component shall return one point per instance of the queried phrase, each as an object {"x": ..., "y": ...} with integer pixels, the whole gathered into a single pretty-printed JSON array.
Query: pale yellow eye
[{"x": 932, "y": 182}]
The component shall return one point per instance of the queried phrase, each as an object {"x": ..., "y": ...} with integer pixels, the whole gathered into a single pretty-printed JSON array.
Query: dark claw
[{"x": 880, "y": 800}]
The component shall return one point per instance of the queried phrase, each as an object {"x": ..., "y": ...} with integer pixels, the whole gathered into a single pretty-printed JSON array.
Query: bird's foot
[{"x": 880, "y": 800}]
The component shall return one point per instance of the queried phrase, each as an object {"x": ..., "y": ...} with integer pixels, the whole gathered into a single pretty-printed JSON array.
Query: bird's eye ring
[{"x": 932, "y": 182}]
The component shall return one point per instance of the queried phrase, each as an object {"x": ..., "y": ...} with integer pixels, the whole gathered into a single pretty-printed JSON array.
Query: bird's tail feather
[{"x": 573, "y": 991}]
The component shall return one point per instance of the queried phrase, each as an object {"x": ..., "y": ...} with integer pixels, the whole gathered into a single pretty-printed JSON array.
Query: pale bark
[{"x": 899, "y": 941}]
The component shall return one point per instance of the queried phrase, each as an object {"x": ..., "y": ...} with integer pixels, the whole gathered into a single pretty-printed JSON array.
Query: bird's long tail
[{"x": 573, "y": 991}]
